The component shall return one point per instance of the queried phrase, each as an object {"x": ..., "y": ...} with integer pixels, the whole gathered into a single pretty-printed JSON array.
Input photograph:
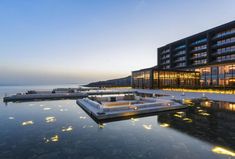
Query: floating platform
[
  {"x": 123, "y": 108},
  {"x": 48, "y": 95}
]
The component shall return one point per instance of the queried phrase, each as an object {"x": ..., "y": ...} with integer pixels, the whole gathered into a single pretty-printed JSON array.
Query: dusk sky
[{"x": 81, "y": 41}]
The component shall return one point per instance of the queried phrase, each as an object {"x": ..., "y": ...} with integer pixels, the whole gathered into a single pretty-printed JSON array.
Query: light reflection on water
[{"x": 73, "y": 134}]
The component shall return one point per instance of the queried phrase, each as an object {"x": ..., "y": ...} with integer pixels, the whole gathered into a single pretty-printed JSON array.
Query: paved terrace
[{"x": 190, "y": 95}]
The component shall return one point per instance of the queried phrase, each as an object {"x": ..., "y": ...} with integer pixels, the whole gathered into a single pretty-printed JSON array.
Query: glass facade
[
  {"x": 142, "y": 79},
  {"x": 154, "y": 78},
  {"x": 173, "y": 79},
  {"x": 211, "y": 52},
  {"x": 217, "y": 76}
]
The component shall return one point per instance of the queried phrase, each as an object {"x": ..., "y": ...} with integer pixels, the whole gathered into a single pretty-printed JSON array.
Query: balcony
[
  {"x": 198, "y": 50},
  {"x": 165, "y": 57},
  {"x": 225, "y": 52},
  {"x": 165, "y": 63},
  {"x": 180, "y": 53},
  {"x": 222, "y": 60},
  {"x": 179, "y": 66},
  {"x": 199, "y": 42},
  {"x": 180, "y": 47},
  {"x": 165, "y": 52},
  {"x": 225, "y": 44},
  {"x": 179, "y": 60},
  {"x": 224, "y": 34},
  {"x": 198, "y": 57}
]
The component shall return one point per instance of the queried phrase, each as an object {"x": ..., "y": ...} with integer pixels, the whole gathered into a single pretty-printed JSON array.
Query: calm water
[{"x": 61, "y": 129}]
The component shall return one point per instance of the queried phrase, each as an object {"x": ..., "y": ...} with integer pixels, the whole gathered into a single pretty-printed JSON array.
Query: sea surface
[{"x": 60, "y": 129}]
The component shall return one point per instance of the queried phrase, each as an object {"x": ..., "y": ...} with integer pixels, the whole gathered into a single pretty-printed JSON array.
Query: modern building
[
  {"x": 210, "y": 53},
  {"x": 152, "y": 78}
]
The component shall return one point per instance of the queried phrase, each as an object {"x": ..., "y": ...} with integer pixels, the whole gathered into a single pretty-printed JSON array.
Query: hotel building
[
  {"x": 161, "y": 78},
  {"x": 210, "y": 53}
]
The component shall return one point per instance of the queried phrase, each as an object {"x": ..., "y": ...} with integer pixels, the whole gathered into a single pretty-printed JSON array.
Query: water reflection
[
  {"x": 87, "y": 126},
  {"x": 50, "y": 119},
  {"x": 208, "y": 121},
  {"x": 46, "y": 108},
  {"x": 148, "y": 127},
  {"x": 66, "y": 129},
  {"x": 164, "y": 125},
  {"x": 101, "y": 125},
  {"x": 30, "y": 122},
  {"x": 54, "y": 138},
  {"x": 82, "y": 117},
  {"x": 134, "y": 119},
  {"x": 189, "y": 134},
  {"x": 223, "y": 151}
]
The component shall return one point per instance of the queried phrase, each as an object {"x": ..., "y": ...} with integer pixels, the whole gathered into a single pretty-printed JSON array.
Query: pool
[{"x": 61, "y": 129}]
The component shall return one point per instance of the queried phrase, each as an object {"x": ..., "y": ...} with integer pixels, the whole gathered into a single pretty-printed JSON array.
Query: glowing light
[
  {"x": 41, "y": 105},
  {"x": 46, "y": 140},
  {"x": 101, "y": 126},
  {"x": 55, "y": 138},
  {"x": 50, "y": 119},
  {"x": 87, "y": 126},
  {"x": 205, "y": 114},
  {"x": 46, "y": 108},
  {"x": 82, "y": 117},
  {"x": 231, "y": 106},
  {"x": 133, "y": 119},
  {"x": 164, "y": 125},
  {"x": 188, "y": 120},
  {"x": 148, "y": 127},
  {"x": 187, "y": 101},
  {"x": 180, "y": 112},
  {"x": 67, "y": 129},
  {"x": 223, "y": 151},
  {"x": 30, "y": 122},
  {"x": 203, "y": 95},
  {"x": 177, "y": 115},
  {"x": 11, "y": 118}
]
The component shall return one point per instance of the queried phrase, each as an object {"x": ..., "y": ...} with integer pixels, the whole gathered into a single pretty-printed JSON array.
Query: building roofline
[{"x": 201, "y": 33}]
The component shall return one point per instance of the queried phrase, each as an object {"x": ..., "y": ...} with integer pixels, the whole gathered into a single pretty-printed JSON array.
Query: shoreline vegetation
[{"x": 120, "y": 82}]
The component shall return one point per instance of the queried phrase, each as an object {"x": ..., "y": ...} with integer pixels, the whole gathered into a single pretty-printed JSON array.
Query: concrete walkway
[{"x": 190, "y": 95}]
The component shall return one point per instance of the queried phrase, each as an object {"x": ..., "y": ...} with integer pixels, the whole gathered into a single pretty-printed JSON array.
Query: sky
[{"x": 81, "y": 41}]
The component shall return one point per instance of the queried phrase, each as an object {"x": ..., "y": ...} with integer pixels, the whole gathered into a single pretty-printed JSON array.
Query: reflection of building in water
[
  {"x": 219, "y": 105},
  {"x": 217, "y": 128}
]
